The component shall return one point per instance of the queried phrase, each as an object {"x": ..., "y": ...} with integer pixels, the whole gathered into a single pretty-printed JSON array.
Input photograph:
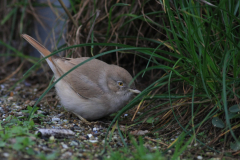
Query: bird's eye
[{"x": 120, "y": 83}]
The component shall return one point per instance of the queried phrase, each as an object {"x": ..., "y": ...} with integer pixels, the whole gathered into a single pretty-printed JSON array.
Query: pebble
[
  {"x": 89, "y": 135},
  {"x": 199, "y": 157},
  {"x": 66, "y": 155},
  {"x": 19, "y": 113},
  {"x": 95, "y": 129},
  {"x": 54, "y": 119},
  {"x": 93, "y": 141},
  {"x": 73, "y": 143},
  {"x": 59, "y": 106},
  {"x": 40, "y": 112},
  {"x": 65, "y": 121},
  {"x": 2, "y": 86},
  {"x": 52, "y": 138},
  {"x": 6, "y": 154},
  {"x": 1, "y": 110},
  {"x": 64, "y": 145},
  {"x": 10, "y": 99},
  {"x": 27, "y": 84}
]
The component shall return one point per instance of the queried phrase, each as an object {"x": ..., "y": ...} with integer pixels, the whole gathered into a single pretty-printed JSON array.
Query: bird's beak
[{"x": 134, "y": 91}]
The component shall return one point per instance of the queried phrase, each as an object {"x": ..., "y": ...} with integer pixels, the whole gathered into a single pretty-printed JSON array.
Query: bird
[{"x": 92, "y": 90}]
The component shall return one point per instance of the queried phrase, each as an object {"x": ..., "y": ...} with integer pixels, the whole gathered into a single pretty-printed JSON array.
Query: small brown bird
[{"x": 91, "y": 91}]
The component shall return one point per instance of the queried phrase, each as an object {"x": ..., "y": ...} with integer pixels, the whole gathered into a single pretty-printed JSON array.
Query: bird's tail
[{"x": 41, "y": 49}]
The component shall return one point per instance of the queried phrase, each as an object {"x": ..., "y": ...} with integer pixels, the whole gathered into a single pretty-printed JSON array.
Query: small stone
[
  {"x": 10, "y": 99},
  {"x": 2, "y": 86},
  {"x": 199, "y": 157},
  {"x": 52, "y": 138},
  {"x": 195, "y": 144},
  {"x": 1, "y": 110},
  {"x": 73, "y": 143},
  {"x": 6, "y": 154},
  {"x": 93, "y": 141},
  {"x": 64, "y": 145},
  {"x": 27, "y": 84},
  {"x": 65, "y": 121},
  {"x": 89, "y": 135},
  {"x": 66, "y": 155},
  {"x": 40, "y": 112},
  {"x": 59, "y": 106},
  {"x": 54, "y": 119},
  {"x": 19, "y": 113}
]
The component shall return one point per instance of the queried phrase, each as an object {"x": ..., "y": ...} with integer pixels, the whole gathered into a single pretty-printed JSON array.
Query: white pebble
[
  {"x": 199, "y": 157},
  {"x": 93, "y": 141},
  {"x": 64, "y": 145},
  {"x": 6, "y": 154},
  {"x": 52, "y": 138},
  {"x": 54, "y": 119},
  {"x": 89, "y": 135}
]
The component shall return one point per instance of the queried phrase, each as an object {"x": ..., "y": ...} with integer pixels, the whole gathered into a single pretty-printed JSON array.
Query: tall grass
[{"x": 202, "y": 75}]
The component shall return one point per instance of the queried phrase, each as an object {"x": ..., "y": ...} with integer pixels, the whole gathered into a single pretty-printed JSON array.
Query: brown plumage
[{"x": 94, "y": 89}]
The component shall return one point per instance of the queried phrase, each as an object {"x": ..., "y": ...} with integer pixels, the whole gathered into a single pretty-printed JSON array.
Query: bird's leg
[{"x": 84, "y": 120}]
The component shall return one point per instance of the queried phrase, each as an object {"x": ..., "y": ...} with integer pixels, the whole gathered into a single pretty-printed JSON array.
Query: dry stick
[
  {"x": 77, "y": 39},
  {"x": 236, "y": 153},
  {"x": 141, "y": 103},
  {"x": 54, "y": 11},
  {"x": 33, "y": 12},
  {"x": 9, "y": 62},
  {"x": 148, "y": 138},
  {"x": 117, "y": 48},
  {"x": 68, "y": 13},
  {"x": 97, "y": 13},
  {"x": 13, "y": 73},
  {"x": 144, "y": 101},
  {"x": 82, "y": 8},
  {"x": 215, "y": 139},
  {"x": 134, "y": 60},
  {"x": 144, "y": 16}
]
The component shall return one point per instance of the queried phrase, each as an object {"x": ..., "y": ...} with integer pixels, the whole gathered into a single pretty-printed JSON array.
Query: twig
[
  {"x": 13, "y": 73},
  {"x": 155, "y": 141},
  {"x": 68, "y": 13}
]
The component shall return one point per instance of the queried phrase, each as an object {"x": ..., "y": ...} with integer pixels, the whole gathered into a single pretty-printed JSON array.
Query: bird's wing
[{"x": 85, "y": 79}]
